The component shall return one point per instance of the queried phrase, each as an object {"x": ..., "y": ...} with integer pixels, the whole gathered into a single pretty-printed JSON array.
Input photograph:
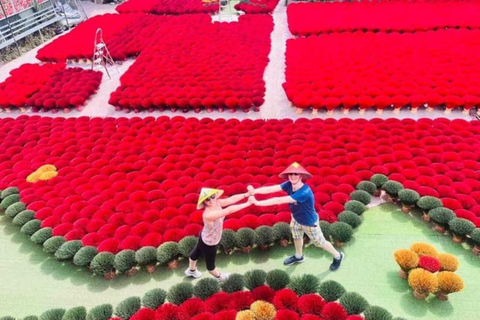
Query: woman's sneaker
[
  {"x": 336, "y": 262},
  {"x": 196, "y": 274},
  {"x": 223, "y": 277},
  {"x": 291, "y": 260}
]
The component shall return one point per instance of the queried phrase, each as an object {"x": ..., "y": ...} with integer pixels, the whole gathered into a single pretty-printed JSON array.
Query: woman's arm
[
  {"x": 272, "y": 201},
  {"x": 233, "y": 199},
  {"x": 217, "y": 214},
  {"x": 267, "y": 189}
]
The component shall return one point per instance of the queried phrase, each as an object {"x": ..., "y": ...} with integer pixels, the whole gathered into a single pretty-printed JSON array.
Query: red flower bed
[
  {"x": 217, "y": 307},
  {"x": 66, "y": 89},
  {"x": 257, "y": 6},
  {"x": 125, "y": 35},
  {"x": 376, "y": 70},
  {"x": 189, "y": 70},
  {"x": 24, "y": 82},
  {"x": 168, "y": 6},
  {"x": 127, "y": 183},
  {"x": 315, "y": 18}
]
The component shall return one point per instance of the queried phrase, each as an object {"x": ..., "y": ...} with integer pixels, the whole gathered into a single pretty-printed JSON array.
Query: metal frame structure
[
  {"x": 101, "y": 55},
  {"x": 19, "y": 29}
]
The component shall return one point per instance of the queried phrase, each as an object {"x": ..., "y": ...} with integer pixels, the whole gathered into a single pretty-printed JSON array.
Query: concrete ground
[{"x": 276, "y": 104}]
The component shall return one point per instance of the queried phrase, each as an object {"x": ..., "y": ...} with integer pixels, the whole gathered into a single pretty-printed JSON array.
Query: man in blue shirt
[{"x": 304, "y": 217}]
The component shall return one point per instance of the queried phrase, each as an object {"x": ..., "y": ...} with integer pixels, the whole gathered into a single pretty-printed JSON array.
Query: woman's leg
[
  {"x": 195, "y": 254},
  {"x": 210, "y": 253}
]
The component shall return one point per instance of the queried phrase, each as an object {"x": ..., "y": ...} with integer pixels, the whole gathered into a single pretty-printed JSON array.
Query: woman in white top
[{"x": 215, "y": 211}]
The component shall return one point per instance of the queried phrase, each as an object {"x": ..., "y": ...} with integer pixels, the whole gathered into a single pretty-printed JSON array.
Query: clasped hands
[{"x": 251, "y": 195}]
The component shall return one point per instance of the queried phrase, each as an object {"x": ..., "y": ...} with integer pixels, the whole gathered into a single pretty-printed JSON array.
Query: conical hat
[
  {"x": 295, "y": 168},
  {"x": 206, "y": 193}
]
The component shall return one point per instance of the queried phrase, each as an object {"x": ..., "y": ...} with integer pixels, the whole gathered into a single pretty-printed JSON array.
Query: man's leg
[
  {"x": 297, "y": 235},
  {"x": 327, "y": 246},
  {"x": 317, "y": 237},
  {"x": 298, "y": 247}
]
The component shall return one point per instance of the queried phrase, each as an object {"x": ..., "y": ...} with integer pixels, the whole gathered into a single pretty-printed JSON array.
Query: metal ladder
[{"x": 101, "y": 55}]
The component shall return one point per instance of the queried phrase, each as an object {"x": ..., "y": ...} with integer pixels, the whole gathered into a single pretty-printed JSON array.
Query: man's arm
[
  {"x": 216, "y": 214},
  {"x": 272, "y": 201},
  {"x": 267, "y": 189},
  {"x": 233, "y": 199}
]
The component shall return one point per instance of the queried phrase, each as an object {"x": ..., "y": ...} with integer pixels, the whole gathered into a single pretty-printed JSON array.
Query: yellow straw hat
[{"x": 206, "y": 193}]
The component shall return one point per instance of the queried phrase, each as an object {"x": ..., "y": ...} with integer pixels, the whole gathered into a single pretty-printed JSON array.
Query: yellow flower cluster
[
  {"x": 448, "y": 262},
  {"x": 424, "y": 249},
  {"x": 259, "y": 310},
  {"x": 45, "y": 172},
  {"x": 449, "y": 282},
  {"x": 406, "y": 259},
  {"x": 423, "y": 281}
]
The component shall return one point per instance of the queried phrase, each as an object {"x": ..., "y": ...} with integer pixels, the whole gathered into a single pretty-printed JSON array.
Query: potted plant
[
  {"x": 407, "y": 260},
  {"x": 264, "y": 237},
  {"x": 408, "y": 198},
  {"x": 361, "y": 196},
  {"x": 282, "y": 233},
  {"x": 475, "y": 235},
  {"x": 331, "y": 290},
  {"x": 206, "y": 288},
  {"x": 233, "y": 284},
  {"x": 427, "y": 203},
  {"x": 353, "y": 303},
  {"x": 392, "y": 188},
  {"x": 53, "y": 314},
  {"x": 125, "y": 262},
  {"x": 245, "y": 239},
  {"x": 326, "y": 229},
  {"x": 101, "y": 312},
  {"x": 355, "y": 206},
  {"x": 367, "y": 186},
  {"x": 448, "y": 282},
  {"x": 350, "y": 218},
  {"x": 341, "y": 233},
  {"x": 75, "y": 313},
  {"x": 440, "y": 217},
  {"x": 377, "y": 313},
  {"x": 180, "y": 292},
  {"x": 68, "y": 250},
  {"x": 378, "y": 180},
  {"x": 254, "y": 278},
  {"x": 167, "y": 253},
  {"x": 84, "y": 256},
  {"x": 277, "y": 279},
  {"x": 460, "y": 228},
  {"x": 186, "y": 246},
  {"x": 229, "y": 241},
  {"x": 304, "y": 284},
  {"x": 127, "y": 308},
  {"x": 154, "y": 298},
  {"x": 147, "y": 257},
  {"x": 422, "y": 282},
  {"x": 103, "y": 264}
]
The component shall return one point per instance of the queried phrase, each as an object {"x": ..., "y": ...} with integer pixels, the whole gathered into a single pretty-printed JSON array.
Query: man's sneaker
[
  {"x": 291, "y": 260},
  {"x": 336, "y": 262},
  {"x": 223, "y": 277},
  {"x": 196, "y": 274}
]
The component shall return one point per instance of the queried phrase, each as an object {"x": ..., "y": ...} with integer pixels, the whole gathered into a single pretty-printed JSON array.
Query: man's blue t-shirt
[{"x": 303, "y": 210}]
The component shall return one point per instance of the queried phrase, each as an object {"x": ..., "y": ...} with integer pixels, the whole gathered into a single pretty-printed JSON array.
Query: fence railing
[{"x": 16, "y": 30}]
